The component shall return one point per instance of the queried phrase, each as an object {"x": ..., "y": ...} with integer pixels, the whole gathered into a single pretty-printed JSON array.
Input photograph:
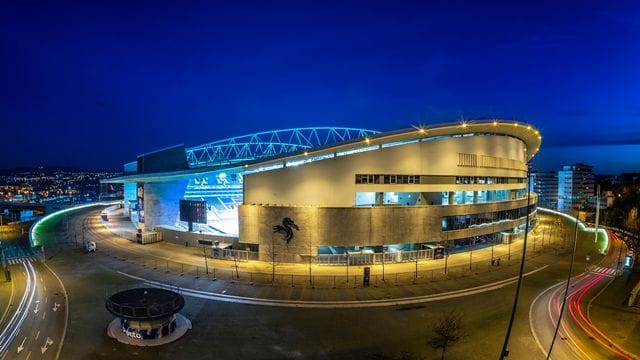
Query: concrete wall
[
  {"x": 162, "y": 203},
  {"x": 129, "y": 195},
  {"x": 354, "y": 226},
  {"x": 331, "y": 182},
  {"x": 181, "y": 237}
]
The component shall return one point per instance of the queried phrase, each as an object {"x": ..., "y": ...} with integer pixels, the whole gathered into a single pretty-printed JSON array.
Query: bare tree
[
  {"x": 271, "y": 254},
  {"x": 632, "y": 223},
  {"x": 447, "y": 331}
]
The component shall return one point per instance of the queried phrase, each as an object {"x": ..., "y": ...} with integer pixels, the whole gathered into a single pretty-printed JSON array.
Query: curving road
[
  {"x": 578, "y": 337},
  {"x": 34, "y": 325}
]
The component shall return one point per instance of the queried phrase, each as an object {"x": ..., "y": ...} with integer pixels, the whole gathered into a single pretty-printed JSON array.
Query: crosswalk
[
  {"x": 604, "y": 271},
  {"x": 17, "y": 252},
  {"x": 16, "y": 261}
]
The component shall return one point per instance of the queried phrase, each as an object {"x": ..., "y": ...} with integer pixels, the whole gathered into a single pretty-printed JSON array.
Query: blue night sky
[{"x": 95, "y": 85}]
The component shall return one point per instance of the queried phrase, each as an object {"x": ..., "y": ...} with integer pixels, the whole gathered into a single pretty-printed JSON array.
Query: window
[{"x": 460, "y": 222}]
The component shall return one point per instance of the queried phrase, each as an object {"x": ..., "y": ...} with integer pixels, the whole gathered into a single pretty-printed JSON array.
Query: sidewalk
[
  {"x": 183, "y": 267},
  {"x": 357, "y": 292},
  {"x": 172, "y": 256}
]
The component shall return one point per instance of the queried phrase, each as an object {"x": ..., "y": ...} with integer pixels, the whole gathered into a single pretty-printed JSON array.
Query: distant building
[
  {"x": 575, "y": 185},
  {"x": 609, "y": 198},
  {"x": 545, "y": 184},
  {"x": 630, "y": 178}
]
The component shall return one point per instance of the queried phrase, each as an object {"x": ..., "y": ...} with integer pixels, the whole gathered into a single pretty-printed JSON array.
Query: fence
[
  {"x": 237, "y": 255},
  {"x": 348, "y": 275},
  {"x": 352, "y": 274},
  {"x": 149, "y": 237},
  {"x": 374, "y": 258}
]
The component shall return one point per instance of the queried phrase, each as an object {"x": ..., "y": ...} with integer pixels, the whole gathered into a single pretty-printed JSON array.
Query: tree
[
  {"x": 448, "y": 330},
  {"x": 632, "y": 223},
  {"x": 624, "y": 214}
]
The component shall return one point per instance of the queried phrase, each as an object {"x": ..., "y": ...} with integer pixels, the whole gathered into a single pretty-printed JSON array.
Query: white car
[{"x": 90, "y": 246}]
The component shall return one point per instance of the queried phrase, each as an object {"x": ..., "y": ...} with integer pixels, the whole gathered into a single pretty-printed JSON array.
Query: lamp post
[
  {"x": 4, "y": 260},
  {"x": 204, "y": 252},
  {"x": 446, "y": 260},
  {"x": 493, "y": 237},
  {"x": 383, "y": 261},
  {"x": 7, "y": 273},
  {"x": 347, "y": 266},
  {"x": 566, "y": 290},
  {"x": 310, "y": 277},
  {"x": 416, "y": 256}
]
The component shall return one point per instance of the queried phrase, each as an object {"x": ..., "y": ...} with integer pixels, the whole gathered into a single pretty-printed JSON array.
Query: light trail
[
  {"x": 576, "y": 328},
  {"x": 13, "y": 327}
]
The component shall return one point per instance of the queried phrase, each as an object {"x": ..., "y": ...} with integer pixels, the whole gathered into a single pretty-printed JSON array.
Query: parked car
[{"x": 90, "y": 246}]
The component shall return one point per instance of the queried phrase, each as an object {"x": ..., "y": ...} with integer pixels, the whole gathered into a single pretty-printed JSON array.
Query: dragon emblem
[{"x": 286, "y": 228}]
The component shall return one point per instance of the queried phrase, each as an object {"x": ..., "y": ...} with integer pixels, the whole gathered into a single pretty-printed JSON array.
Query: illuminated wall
[{"x": 332, "y": 182}]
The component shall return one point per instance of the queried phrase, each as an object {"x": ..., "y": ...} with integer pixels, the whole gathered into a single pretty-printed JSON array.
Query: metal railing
[
  {"x": 150, "y": 266},
  {"x": 374, "y": 258}
]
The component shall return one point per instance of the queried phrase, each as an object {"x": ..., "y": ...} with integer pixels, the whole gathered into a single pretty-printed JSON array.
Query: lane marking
[
  {"x": 14, "y": 325},
  {"x": 37, "y": 334},
  {"x": 66, "y": 303},
  {"x": 13, "y": 285},
  {"x": 21, "y": 346}
]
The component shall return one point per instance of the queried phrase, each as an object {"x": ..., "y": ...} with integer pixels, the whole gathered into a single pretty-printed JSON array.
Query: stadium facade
[{"x": 323, "y": 193}]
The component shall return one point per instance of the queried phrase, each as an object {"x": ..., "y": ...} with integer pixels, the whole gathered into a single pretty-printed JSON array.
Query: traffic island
[{"x": 147, "y": 316}]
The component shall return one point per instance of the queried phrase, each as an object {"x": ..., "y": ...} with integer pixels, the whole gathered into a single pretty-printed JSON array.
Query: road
[
  {"x": 577, "y": 337},
  {"x": 34, "y": 327}
]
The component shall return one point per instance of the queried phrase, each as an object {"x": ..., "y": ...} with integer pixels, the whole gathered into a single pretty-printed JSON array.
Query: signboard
[
  {"x": 193, "y": 211},
  {"x": 366, "y": 278},
  {"x": 140, "y": 197},
  {"x": 438, "y": 251}
]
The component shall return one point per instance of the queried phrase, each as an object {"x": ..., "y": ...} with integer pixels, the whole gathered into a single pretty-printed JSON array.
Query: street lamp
[
  {"x": 4, "y": 260},
  {"x": 7, "y": 273},
  {"x": 347, "y": 266},
  {"x": 204, "y": 252},
  {"x": 446, "y": 260}
]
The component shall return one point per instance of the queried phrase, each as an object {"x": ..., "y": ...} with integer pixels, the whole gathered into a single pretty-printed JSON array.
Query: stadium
[{"x": 339, "y": 195}]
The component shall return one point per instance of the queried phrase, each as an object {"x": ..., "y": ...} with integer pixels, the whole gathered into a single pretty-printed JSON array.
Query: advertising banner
[{"x": 140, "y": 197}]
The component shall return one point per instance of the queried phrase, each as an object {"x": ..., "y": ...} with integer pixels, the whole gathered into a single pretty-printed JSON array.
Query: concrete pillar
[
  {"x": 129, "y": 195},
  {"x": 451, "y": 197},
  {"x": 379, "y": 198},
  {"x": 162, "y": 203},
  {"x": 475, "y": 197}
]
